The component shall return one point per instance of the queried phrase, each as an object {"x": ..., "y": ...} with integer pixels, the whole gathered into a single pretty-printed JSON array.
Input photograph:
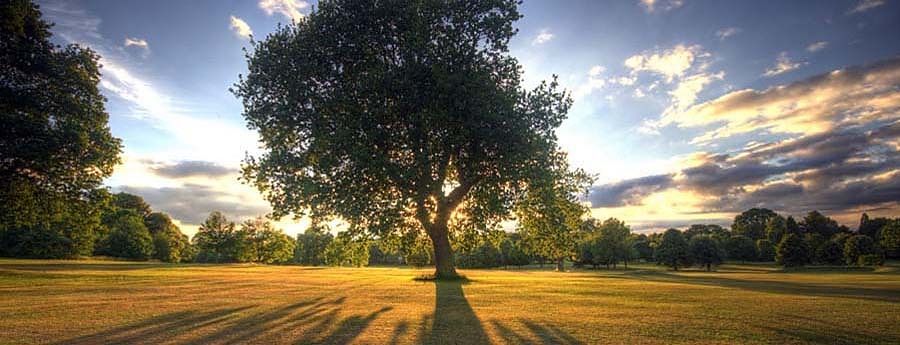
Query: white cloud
[
  {"x": 685, "y": 94},
  {"x": 288, "y": 8},
  {"x": 783, "y": 64},
  {"x": 666, "y": 5},
  {"x": 670, "y": 63},
  {"x": 812, "y": 48},
  {"x": 542, "y": 37},
  {"x": 594, "y": 81},
  {"x": 724, "y": 33},
  {"x": 865, "y": 5},
  {"x": 240, "y": 27},
  {"x": 137, "y": 42},
  {"x": 850, "y": 96}
]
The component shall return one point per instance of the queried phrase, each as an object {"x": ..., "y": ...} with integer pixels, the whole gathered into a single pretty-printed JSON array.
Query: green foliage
[
  {"x": 741, "y": 248},
  {"x": 54, "y": 132},
  {"x": 345, "y": 250},
  {"x": 776, "y": 228},
  {"x": 673, "y": 250},
  {"x": 419, "y": 253},
  {"x": 485, "y": 255},
  {"x": 890, "y": 239},
  {"x": 37, "y": 224},
  {"x": 641, "y": 245},
  {"x": 792, "y": 227},
  {"x": 512, "y": 251},
  {"x": 128, "y": 237},
  {"x": 817, "y": 223},
  {"x": 871, "y": 227},
  {"x": 135, "y": 203},
  {"x": 55, "y": 142},
  {"x": 857, "y": 246},
  {"x": 752, "y": 223},
  {"x": 705, "y": 251},
  {"x": 791, "y": 251},
  {"x": 259, "y": 241},
  {"x": 814, "y": 241},
  {"x": 215, "y": 240},
  {"x": 550, "y": 214},
  {"x": 870, "y": 260},
  {"x": 358, "y": 106},
  {"x": 311, "y": 246},
  {"x": 830, "y": 253},
  {"x": 765, "y": 250},
  {"x": 169, "y": 244}
]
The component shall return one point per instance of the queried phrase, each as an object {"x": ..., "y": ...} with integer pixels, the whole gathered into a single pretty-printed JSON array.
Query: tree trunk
[
  {"x": 707, "y": 267},
  {"x": 560, "y": 265},
  {"x": 443, "y": 254}
]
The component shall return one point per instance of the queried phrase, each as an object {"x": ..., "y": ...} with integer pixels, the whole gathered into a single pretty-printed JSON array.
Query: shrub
[{"x": 870, "y": 260}]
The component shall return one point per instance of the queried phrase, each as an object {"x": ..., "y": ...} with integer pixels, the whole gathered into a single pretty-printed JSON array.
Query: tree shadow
[
  {"x": 453, "y": 321},
  {"x": 768, "y": 286},
  {"x": 535, "y": 334},
  {"x": 303, "y": 322},
  {"x": 816, "y": 331}
]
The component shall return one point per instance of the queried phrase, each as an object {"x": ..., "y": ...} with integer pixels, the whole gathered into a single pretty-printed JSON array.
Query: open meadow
[{"x": 87, "y": 302}]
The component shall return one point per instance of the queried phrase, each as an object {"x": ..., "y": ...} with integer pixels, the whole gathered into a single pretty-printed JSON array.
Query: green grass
[{"x": 90, "y": 302}]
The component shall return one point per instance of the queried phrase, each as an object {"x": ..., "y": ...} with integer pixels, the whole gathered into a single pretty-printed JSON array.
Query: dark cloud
[
  {"x": 627, "y": 192},
  {"x": 192, "y": 203},
  {"x": 192, "y": 168},
  {"x": 834, "y": 171}
]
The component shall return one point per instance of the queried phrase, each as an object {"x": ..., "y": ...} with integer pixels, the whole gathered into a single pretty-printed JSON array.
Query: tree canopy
[{"x": 398, "y": 116}]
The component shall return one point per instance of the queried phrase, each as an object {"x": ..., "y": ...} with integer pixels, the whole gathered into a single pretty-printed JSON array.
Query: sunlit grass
[{"x": 81, "y": 302}]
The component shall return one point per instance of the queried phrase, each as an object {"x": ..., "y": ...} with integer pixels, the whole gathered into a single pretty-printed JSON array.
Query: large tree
[
  {"x": 752, "y": 223},
  {"x": 398, "y": 115},
  {"x": 55, "y": 143}
]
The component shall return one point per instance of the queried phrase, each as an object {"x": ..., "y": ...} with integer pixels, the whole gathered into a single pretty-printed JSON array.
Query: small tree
[
  {"x": 791, "y": 252},
  {"x": 673, "y": 250},
  {"x": 550, "y": 213},
  {"x": 705, "y": 251},
  {"x": 216, "y": 240},
  {"x": 857, "y": 246}
]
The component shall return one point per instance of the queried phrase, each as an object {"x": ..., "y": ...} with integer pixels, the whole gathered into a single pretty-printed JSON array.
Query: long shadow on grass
[
  {"x": 303, "y": 322},
  {"x": 533, "y": 333},
  {"x": 454, "y": 321},
  {"x": 768, "y": 286},
  {"x": 816, "y": 331}
]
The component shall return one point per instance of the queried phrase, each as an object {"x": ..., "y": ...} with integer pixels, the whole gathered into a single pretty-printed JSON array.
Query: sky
[{"x": 686, "y": 111}]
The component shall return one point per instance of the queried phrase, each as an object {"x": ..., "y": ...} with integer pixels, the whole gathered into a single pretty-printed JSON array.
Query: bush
[{"x": 870, "y": 260}]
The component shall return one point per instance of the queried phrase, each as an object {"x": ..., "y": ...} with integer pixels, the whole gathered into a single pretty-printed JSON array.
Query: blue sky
[{"x": 687, "y": 111}]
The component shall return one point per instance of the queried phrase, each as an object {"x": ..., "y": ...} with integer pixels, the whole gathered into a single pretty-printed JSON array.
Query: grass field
[{"x": 89, "y": 302}]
